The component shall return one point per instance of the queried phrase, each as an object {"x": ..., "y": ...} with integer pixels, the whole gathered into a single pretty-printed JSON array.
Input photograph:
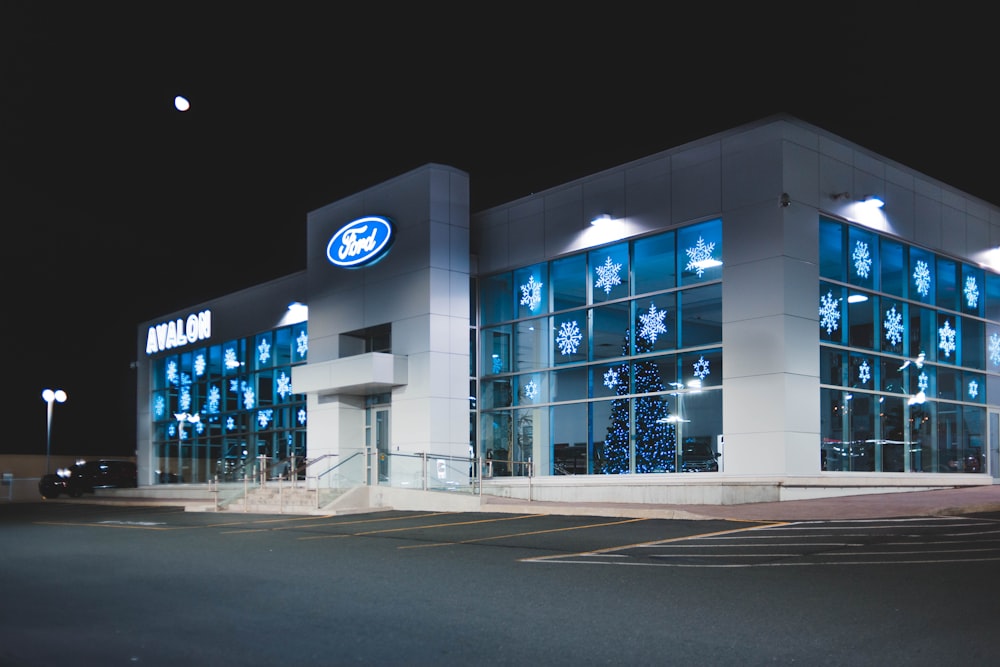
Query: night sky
[{"x": 116, "y": 208}]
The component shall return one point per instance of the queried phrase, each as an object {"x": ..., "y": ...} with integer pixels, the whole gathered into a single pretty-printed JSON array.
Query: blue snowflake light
[
  {"x": 230, "y": 423},
  {"x": 302, "y": 416},
  {"x": 993, "y": 348},
  {"x": 862, "y": 259},
  {"x": 973, "y": 389},
  {"x": 230, "y": 359},
  {"x": 701, "y": 370},
  {"x": 302, "y": 343},
  {"x": 971, "y": 291},
  {"x": 284, "y": 385},
  {"x": 651, "y": 324},
  {"x": 608, "y": 275},
  {"x": 199, "y": 365},
  {"x": 893, "y": 325},
  {"x": 946, "y": 339},
  {"x": 829, "y": 312},
  {"x": 172, "y": 376},
  {"x": 249, "y": 398},
  {"x": 531, "y": 390},
  {"x": 700, "y": 256},
  {"x": 264, "y": 417},
  {"x": 214, "y": 398},
  {"x": 864, "y": 372},
  {"x": 923, "y": 381},
  {"x": 263, "y": 351},
  {"x": 159, "y": 407},
  {"x": 922, "y": 278},
  {"x": 531, "y": 294},
  {"x": 611, "y": 378},
  {"x": 569, "y": 337}
]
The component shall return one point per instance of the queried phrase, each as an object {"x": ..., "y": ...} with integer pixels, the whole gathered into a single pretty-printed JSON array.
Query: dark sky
[{"x": 117, "y": 209}]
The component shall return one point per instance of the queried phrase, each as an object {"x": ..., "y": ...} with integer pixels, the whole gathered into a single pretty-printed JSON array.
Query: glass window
[
  {"x": 992, "y": 297},
  {"x": 655, "y": 264},
  {"x": 531, "y": 344},
  {"x": 892, "y": 261},
  {"x": 611, "y": 329},
  {"x": 831, "y": 313},
  {"x": 831, "y": 249},
  {"x": 863, "y": 263},
  {"x": 498, "y": 298},
  {"x": 947, "y": 339},
  {"x": 496, "y": 393},
  {"x": 609, "y": 273},
  {"x": 831, "y": 366},
  {"x": 947, "y": 284},
  {"x": 532, "y": 288},
  {"x": 569, "y": 438},
  {"x": 861, "y": 319},
  {"x": 972, "y": 287},
  {"x": 570, "y": 384},
  {"x": 893, "y": 325},
  {"x": 569, "y": 282},
  {"x": 496, "y": 350},
  {"x": 570, "y": 337},
  {"x": 699, "y": 252},
  {"x": 532, "y": 389},
  {"x": 861, "y": 374},
  {"x": 921, "y": 276},
  {"x": 610, "y": 380},
  {"x": 923, "y": 333},
  {"x": 701, "y": 315},
  {"x": 655, "y": 324}
]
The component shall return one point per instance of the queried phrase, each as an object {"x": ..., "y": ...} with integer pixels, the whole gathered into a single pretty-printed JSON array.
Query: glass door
[
  {"x": 378, "y": 439},
  {"x": 993, "y": 459}
]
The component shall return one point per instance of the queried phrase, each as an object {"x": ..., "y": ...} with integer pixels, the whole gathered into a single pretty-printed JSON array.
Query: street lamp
[{"x": 50, "y": 396}]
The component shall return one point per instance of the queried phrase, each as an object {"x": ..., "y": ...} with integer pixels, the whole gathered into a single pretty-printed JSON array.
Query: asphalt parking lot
[{"x": 97, "y": 584}]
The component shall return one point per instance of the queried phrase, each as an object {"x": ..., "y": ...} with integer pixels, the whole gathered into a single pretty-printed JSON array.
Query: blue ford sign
[{"x": 360, "y": 242}]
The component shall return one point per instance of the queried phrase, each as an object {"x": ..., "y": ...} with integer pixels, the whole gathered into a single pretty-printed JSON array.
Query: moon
[{"x": 181, "y": 103}]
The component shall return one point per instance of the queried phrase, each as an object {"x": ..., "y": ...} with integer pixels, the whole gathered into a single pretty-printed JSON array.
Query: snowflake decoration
[
  {"x": 284, "y": 385},
  {"x": 249, "y": 398},
  {"x": 184, "y": 399},
  {"x": 893, "y": 326},
  {"x": 531, "y": 294},
  {"x": 264, "y": 351},
  {"x": 302, "y": 416},
  {"x": 608, "y": 275},
  {"x": 862, "y": 259},
  {"x": 864, "y": 372},
  {"x": 829, "y": 312},
  {"x": 946, "y": 336},
  {"x": 569, "y": 337},
  {"x": 263, "y": 417},
  {"x": 971, "y": 292},
  {"x": 234, "y": 385},
  {"x": 531, "y": 390},
  {"x": 611, "y": 378},
  {"x": 652, "y": 324},
  {"x": 923, "y": 381},
  {"x": 172, "y": 372},
  {"x": 302, "y": 343},
  {"x": 214, "y": 398},
  {"x": 497, "y": 364},
  {"x": 973, "y": 389},
  {"x": 922, "y": 278},
  {"x": 200, "y": 427},
  {"x": 230, "y": 424},
  {"x": 159, "y": 406},
  {"x": 699, "y": 256},
  {"x": 230, "y": 359},
  {"x": 701, "y": 370},
  {"x": 994, "y": 349},
  {"x": 199, "y": 365}
]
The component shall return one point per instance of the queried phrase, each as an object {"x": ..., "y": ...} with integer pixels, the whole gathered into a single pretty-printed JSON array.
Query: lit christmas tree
[{"x": 655, "y": 442}]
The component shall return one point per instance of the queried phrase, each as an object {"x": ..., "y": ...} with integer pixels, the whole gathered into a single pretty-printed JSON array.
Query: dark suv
[{"x": 86, "y": 476}]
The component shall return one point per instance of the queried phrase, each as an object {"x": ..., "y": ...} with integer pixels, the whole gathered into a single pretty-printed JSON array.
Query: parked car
[
  {"x": 698, "y": 456},
  {"x": 86, "y": 476}
]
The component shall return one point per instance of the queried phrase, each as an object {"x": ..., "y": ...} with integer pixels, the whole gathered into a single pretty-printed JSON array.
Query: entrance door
[
  {"x": 993, "y": 458},
  {"x": 378, "y": 439}
]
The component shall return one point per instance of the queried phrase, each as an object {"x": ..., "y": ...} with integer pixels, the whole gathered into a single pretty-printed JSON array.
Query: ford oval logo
[{"x": 360, "y": 242}]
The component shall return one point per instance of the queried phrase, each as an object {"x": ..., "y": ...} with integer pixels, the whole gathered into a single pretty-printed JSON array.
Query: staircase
[{"x": 279, "y": 499}]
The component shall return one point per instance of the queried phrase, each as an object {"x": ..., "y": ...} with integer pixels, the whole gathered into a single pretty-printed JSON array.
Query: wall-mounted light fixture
[
  {"x": 601, "y": 219},
  {"x": 873, "y": 200},
  {"x": 840, "y": 196}
]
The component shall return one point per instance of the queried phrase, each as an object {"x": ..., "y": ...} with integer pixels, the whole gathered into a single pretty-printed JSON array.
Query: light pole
[{"x": 50, "y": 396}]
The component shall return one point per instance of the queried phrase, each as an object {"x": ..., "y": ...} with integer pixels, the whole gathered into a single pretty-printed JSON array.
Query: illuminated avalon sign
[
  {"x": 360, "y": 242},
  {"x": 179, "y": 332}
]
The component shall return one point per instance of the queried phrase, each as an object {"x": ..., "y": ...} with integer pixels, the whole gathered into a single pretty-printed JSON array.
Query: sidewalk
[{"x": 943, "y": 502}]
